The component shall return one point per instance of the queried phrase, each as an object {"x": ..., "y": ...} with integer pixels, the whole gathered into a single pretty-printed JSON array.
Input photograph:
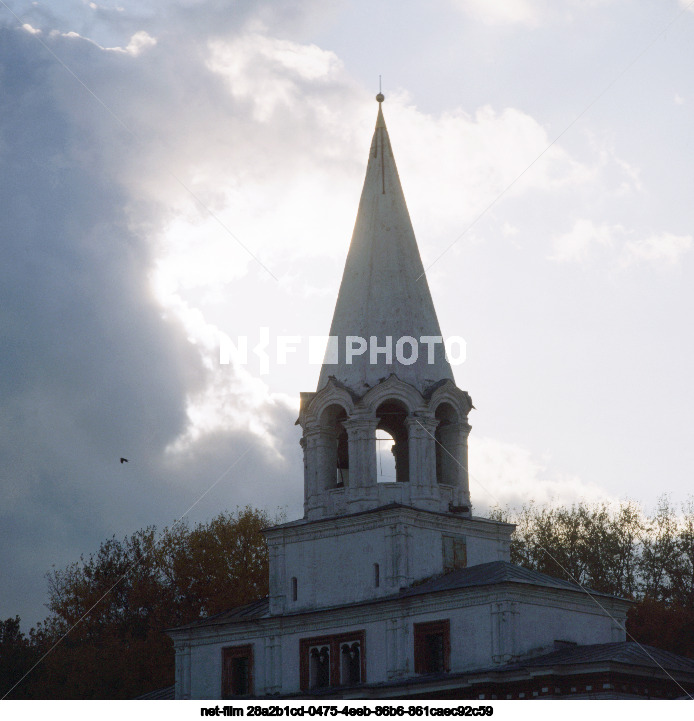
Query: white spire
[{"x": 384, "y": 291}]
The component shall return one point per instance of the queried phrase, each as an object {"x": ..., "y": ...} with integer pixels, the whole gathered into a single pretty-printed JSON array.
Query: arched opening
[
  {"x": 350, "y": 663},
  {"x": 391, "y": 419},
  {"x": 337, "y": 451},
  {"x": 319, "y": 666},
  {"x": 447, "y": 470},
  {"x": 385, "y": 471}
]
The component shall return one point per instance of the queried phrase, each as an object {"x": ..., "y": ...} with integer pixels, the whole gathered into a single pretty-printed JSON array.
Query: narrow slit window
[
  {"x": 295, "y": 589},
  {"x": 377, "y": 575}
]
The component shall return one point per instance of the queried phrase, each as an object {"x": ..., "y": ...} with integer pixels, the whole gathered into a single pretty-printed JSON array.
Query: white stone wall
[
  {"x": 333, "y": 561},
  {"x": 488, "y": 627}
]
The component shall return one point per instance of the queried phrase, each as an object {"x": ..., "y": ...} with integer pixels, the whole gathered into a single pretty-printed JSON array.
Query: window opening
[
  {"x": 237, "y": 671},
  {"x": 295, "y": 589},
  {"x": 432, "y": 647},
  {"x": 336, "y": 469},
  {"x": 386, "y": 456},
  {"x": 350, "y": 664},
  {"x": 319, "y": 665},
  {"x": 332, "y": 661},
  {"x": 391, "y": 419}
]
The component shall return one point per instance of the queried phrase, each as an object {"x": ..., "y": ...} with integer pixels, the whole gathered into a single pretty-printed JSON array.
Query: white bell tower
[{"x": 386, "y": 370}]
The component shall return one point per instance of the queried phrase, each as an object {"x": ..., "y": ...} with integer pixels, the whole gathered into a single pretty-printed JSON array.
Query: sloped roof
[
  {"x": 626, "y": 652},
  {"x": 254, "y": 609},
  {"x": 488, "y": 574},
  {"x": 484, "y": 574}
]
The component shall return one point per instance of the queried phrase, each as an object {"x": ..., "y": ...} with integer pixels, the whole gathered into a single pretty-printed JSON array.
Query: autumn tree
[
  {"x": 622, "y": 551},
  {"x": 109, "y": 610}
]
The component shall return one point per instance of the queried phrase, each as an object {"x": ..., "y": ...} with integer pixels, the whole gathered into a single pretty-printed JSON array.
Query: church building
[{"x": 396, "y": 589}]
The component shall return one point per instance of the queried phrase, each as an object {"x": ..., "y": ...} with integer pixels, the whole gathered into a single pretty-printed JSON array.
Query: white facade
[
  {"x": 372, "y": 555},
  {"x": 381, "y": 584},
  {"x": 488, "y": 626}
]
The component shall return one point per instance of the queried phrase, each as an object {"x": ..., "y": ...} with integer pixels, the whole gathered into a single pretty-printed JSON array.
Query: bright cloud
[
  {"x": 511, "y": 12},
  {"x": 586, "y": 240},
  {"x": 140, "y": 41},
  {"x": 663, "y": 248},
  {"x": 506, "y": 474},
  {"x": 583, "y": 239}
]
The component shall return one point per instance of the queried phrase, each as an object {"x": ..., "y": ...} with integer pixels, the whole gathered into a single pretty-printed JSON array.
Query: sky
[{"x": 173, "y": 172}]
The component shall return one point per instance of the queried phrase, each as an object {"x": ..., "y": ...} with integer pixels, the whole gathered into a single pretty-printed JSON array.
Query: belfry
[
  {"x": 395, "y": 589},
  {"x": 389, "y": 371}
]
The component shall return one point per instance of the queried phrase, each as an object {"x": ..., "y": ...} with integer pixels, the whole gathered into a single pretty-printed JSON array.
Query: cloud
[
  {"x": 582, "y": 241},
  {"x": 587, "y": 241},
  {"x": 506, "y": 474},
  {"x": 664, "y": 248},
  {"x": 525, "y": 13},
  {"x": 121, "y": 260},
  {"x": 505, "y": 12},
  {"x": 94, "y": 366}
]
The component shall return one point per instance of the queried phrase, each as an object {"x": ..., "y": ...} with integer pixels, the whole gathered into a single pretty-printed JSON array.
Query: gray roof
[
  {"x": 625, "y": 652},
  {"x": 489, "y": 574},
  {"x": 484, "y": 574},
  {"x": 254, "y": 609}
]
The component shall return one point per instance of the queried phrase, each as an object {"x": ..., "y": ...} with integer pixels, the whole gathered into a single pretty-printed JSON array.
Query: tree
[
  {"x": 16, "y": 654},
  {"x": 112, "y": 608},
  {"x": 622, "y": 551}
]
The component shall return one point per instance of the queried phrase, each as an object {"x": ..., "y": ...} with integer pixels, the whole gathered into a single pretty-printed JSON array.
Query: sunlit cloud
[
  {"x": 583, "y": 240},
  {"x": 587, "y": 241},
  {"x": 523, "y": 12},
  {"x": 507, "y": 474},
  {"x": 664, "y": 248}
]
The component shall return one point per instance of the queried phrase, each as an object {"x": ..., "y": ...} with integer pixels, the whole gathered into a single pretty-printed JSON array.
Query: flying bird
[{"x": 124, "y": 460}]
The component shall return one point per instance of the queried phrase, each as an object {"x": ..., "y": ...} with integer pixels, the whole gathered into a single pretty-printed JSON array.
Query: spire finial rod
[{"x": 380, "y": 97}]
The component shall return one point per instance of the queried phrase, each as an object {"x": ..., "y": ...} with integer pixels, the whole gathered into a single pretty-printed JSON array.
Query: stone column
[
  {"x": 454, "y": 459},
  {"x": 183, "y": 671},
  {"x": 396, "y": 648},
  {"x": 398, "y": 548},
  {"x": 420, "y": 436},
  {"x": 361, "y": 434},
  {"x": 273, "y": 668},
  {"x": 278, "y": 581},
  {"x": 320, "y": 468}
]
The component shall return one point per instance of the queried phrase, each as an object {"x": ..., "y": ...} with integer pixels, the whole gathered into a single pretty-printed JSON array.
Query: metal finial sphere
[{"x": 380, "y": 97}]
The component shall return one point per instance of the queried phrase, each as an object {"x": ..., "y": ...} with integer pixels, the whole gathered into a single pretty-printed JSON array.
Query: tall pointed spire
[{"x": 384, "y": 292}]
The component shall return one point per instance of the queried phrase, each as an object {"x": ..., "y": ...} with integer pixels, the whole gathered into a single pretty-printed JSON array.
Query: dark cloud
[{"x": 91, "y": 369}]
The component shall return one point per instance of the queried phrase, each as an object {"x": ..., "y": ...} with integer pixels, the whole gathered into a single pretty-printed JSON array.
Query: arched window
[
  {"x": 391, "y": 419},
  {"x": 446, "y": 434},
  {"x": 385, "y": 471},
  {"x": 350, "y": 664},
  {"x": 319, "y": 667},
  {"x": 337, "y": 451}
]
